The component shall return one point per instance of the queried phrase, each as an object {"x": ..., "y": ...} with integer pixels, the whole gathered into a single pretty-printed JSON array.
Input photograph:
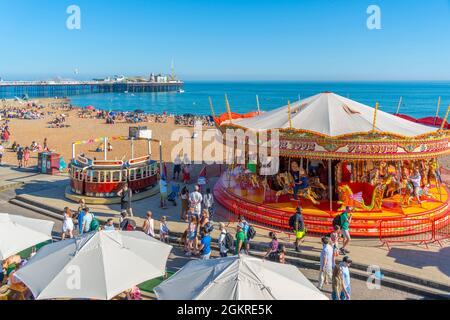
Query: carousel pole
[
  {"x": 375, "y": 117},
  {"x": 212, "y": 107},
  {"x": 257, "y": 104},
  {"x": 228, "y": 108},
  {"x": 330, "y": 184},
  {"x": 399, "y": 105},
  {"x": 149, "y": 146},
  {"x": 437, "y": 110},
  {"x": 445, "y": 119},
  {"x": 289, "y": 114},
  {"x": 105, "y": 147},
  {"x": 73, "y": 151}
]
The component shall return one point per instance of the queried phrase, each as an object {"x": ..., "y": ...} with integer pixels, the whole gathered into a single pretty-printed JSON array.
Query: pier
[{"x": 43, "y": 89}]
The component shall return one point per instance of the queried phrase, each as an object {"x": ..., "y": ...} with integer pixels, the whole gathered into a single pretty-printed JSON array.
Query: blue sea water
[{"x": 419, "y": 98}]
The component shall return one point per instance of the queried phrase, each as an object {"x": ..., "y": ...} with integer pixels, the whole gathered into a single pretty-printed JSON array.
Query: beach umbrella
[
  {"x": 238, "y": 278},
  {"x": 18, "y": 233},
  {"x": 98, "y": 265},
  {"x": 90, "y": 108}
]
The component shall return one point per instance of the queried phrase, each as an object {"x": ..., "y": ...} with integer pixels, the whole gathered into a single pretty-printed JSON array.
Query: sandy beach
[{"x": 60, "y": 140}]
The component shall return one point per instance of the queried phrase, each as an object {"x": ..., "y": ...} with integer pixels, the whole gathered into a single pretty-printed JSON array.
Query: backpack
[
  {"x": 251, "y": 233},
  {"x": 130, "y": 225},
  {"x": 337, "y": 221},
  {"x": 95, "y": 224},
  {"x": 209, "y": 227},
  {"x": 228, "y": 241},
  {"x": 292, "y": 221}
]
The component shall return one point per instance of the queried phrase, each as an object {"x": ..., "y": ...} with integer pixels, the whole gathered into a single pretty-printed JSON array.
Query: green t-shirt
[
  {"x": 240, "y": 236},
  {"x": 344, "y": 221}
]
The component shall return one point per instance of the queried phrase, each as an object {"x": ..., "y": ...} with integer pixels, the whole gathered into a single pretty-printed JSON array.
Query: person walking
[
  {"x": 346, "y": 287},
  {"x": 149, "y": 225},
  {"x": 19, "y": 156},
  {"x": 191, "y": 238},
  {"x": 240, "y": 239},
  {"x": 68, "y": 226},
  {"x": 184, "y": 195},
  {"x": 26, "y": 157},
  {"x": 205, "y": 244},
  {"x": 346, "y": 219},
  {"x": 248, "y": 233},
  {"x": 195, "y": 200},
  {"x": 208, "y": 202},
  {"x": 337, "y": 283},
  {"x": 326, "y": 262},
  {"x": 164, "y": 230},
  {"x": 87, "y": 219},
  {"x": 297, "y": 224},
  {"x": 163, "y": 191},
  {"x": 222, "y": 241},
  {"x": 126, "y": 195}
]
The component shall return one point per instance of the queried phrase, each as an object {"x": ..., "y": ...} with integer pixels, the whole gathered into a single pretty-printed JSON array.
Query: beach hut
[
  {"x": 97, "y": 265},
  {"x": 238, "y": 278},
  {"x": 19, "y": 233}
]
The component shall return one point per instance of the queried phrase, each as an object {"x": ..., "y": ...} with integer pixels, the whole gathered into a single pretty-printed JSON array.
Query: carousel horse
[
  {"x": 315, "y": 184},
  {"x": 288, "y": 181},
  {"x": 392, "y": 185},
  {"x": 348, "y": 199},
  {"x": 284, "y": 180}
]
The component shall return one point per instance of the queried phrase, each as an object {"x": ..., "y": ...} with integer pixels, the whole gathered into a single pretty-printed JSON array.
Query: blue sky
[{"x": 227, "y": 39}]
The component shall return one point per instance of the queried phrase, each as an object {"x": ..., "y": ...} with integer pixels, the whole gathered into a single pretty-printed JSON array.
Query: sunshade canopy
[
  {"x": 18, "y": 233},
  {"x": 238, "y": 278},
  {"x": 96, "y": 266}
]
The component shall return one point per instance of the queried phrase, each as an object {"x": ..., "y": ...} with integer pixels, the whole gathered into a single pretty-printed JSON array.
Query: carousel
[
  {"x": 335, "y": 153},
  {"x": 97, "y": 181}
]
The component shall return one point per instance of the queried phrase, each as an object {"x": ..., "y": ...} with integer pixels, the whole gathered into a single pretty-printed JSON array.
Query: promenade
[{"x": 425, "y": 267}]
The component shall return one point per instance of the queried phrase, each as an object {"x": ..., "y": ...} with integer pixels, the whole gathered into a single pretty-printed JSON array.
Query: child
[{"x": 164, "y": 230}]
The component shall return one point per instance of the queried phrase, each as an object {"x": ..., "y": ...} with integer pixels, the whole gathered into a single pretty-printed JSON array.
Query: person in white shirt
[
  {"x": 326, "y": 262},
  {"x": 176, "y": 168},
  {"x": 68, "y": 226},
  {"x": 195, "y": 199},
  {"x": 222, "y": 245},
  {"x": 149, "y": 225}
]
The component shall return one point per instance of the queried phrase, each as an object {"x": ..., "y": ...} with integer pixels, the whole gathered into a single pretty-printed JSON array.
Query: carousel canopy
[{"x": 333, "y": 115}]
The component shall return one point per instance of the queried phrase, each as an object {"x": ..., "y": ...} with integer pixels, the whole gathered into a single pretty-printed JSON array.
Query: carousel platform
[{"x": 392, "y": 220}]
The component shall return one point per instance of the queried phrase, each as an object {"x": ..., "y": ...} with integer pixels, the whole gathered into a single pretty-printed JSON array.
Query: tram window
[{"x": 116, "y": 176}]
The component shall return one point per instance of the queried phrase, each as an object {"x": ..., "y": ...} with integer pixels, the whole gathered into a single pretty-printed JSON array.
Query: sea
[{"x": 419, "y": 99}]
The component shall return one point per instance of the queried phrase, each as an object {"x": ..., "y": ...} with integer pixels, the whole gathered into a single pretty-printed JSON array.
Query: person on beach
[
  {"x": 149, "y": 225},
  {"x": 326, "y": 262},
  {"x": 164, "y": 230},
  {"x": 26, "y": 157},
  {"x": 2, "y": 149},
  {"x": 19, "y": 156},
  {"x": 67, "y": 227},
  {"x": 45, "y": 145},
  {"x": 126, "y": 195}
]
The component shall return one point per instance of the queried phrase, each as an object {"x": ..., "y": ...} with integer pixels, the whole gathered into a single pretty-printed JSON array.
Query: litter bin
[{"x": 48, "y": 163}]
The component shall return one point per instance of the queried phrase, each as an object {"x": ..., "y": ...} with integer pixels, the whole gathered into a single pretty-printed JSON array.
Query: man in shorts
[
  {"x": 125, "y": 195},
  {"x": 299, "y": 228},
  {"x": 346, "y": 219}
]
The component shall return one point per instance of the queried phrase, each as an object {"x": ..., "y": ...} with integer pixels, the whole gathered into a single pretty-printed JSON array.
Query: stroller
[{"x": 174, "y": 194}]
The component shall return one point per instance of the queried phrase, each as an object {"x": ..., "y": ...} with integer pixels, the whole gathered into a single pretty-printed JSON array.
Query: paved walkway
[{"x": 432, "y": 264}]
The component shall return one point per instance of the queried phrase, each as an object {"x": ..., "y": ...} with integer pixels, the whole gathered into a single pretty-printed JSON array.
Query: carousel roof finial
[
  {"x": 375, "y": 116},
  {"x": 445, "y": 119},
  {"x": 437, "y": 110},
  {"x": 289, "y": 114},
  {"x": 212, "y": 107},
  {"x": 228, "y": 108}
]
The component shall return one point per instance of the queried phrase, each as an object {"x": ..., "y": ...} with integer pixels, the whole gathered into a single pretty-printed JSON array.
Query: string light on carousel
[
  {"x": 335, "y": 152},
  {"x": 97, "y": 181}
]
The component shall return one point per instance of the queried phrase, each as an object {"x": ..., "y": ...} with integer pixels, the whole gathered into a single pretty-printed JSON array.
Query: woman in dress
[
  {"x": 184, "y": 195},
  {"x": 26, "y": 157},
  {"x": 68, "y": 226}
]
